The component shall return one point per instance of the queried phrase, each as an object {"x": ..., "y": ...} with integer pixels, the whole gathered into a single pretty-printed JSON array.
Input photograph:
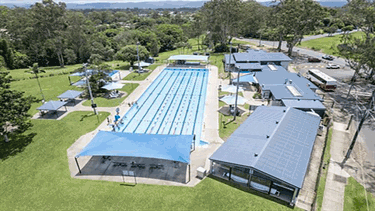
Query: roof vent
[
  {"x": 255, "y": 154},
  {"x": 290, "y": 81},
  {"x": 277, "y": 122},
  {"x": 284, "y": 111},
  {"x": 299, "y": 99},
  {"x": 268, "y": 136},
  {"x": 286, "y": 80}
]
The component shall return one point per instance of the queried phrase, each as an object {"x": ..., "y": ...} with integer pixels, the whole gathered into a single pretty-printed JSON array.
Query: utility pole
[
  {"x": 367, "y": 112},
  {"x": 235, "y": 102},
  {"x": 229, "y": 67},
  {"x": 139, "y": 64},
  {"x": 93, "y": 105}
]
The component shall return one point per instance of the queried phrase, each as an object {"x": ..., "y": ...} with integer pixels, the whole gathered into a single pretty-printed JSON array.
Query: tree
[
  {"x": 14, "y": 110},
  {"x": 221, "y": 18},
  {"x": 298, "y": 18},
  {"x": 7, "y": 53},
  {"x": 129, "y": 54},
  {"x": 35, "y": 69},
  {"x": 169, "y": 35},
  {"x": 70, "y": 56}
]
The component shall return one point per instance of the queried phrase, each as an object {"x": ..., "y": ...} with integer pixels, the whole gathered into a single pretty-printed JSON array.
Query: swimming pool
[{"x": 173, "y": 104}]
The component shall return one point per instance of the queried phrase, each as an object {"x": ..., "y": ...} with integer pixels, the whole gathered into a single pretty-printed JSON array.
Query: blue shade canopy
[
  {"x": 112, "y": 86},
  {"x": 247, "y": 78},
  {"x": 231, "y": 89},
  {"x": 143, "y": 64},
  {"x": 231, "y": 100},
  {"x": 52, "y": 105},
  {"x": 70, "y": 94},
  {"x": 81, "y": 82},
  {"x": 168, "y": 147},
  {"x": 189, "y": 57}
]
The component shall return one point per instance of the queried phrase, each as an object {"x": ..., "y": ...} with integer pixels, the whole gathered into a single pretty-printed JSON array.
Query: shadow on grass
[
  {"x": 128, "y": 185},
  {"x": 86, "y": 116},
  {"x": 251, "y": 191},
  {"x": 16, "y": 145},
  {"x": 123, "y": 67}
]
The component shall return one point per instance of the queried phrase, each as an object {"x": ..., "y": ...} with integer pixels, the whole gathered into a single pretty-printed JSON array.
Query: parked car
[
  {"x": 313, "y": 59},
  {"x": 328, "y": 57},
  {"x": 333, "y": 66}
]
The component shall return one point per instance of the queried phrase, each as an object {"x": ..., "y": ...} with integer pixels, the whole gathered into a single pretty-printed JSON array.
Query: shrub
[{"x": 257, "y": 96}]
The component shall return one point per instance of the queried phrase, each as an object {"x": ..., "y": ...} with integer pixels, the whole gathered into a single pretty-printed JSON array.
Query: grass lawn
[
  {"x": 137, "y": 76},
  {"x": 39, "y": 179},
  {"x": 104, "y": 102},
  {"x": 21, "y": 73},
  {"x": 230, "y": 126},
  {"x": 327, "y": 45},
  {"x": 323, "y": 177},
  {"x": 355, "y": 198},
  {"x": 118, "y": 65},
  {"x": 51, "y": 86}
]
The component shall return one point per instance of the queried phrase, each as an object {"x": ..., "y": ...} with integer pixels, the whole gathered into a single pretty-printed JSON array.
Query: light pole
[
  {"x": 365, "y": 115},
  {"x": 229, "y": 67},
  {"x": 235, "y": 102},
  {"x": 93, "y": 105},
  {"x": 139, "y": 64}
]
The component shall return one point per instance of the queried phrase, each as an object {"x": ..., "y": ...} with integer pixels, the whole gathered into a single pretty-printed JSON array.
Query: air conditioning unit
[{"x": 201, "y": 172}]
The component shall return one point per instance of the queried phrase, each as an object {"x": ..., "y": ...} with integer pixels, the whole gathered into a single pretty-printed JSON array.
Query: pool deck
[{"x": 199, "y": 157}]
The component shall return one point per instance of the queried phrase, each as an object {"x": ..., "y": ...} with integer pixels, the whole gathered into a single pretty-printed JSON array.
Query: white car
[{"x": 333, "y": 66}]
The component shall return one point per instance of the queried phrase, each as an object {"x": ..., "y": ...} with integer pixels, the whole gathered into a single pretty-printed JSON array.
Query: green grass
[
  {"x": 355, "y": 198},
  {"x": 118, "y": 65},
  {"x": 25, "y": 73},
  {"x": 324, "y": 172},
  {"x": 137, "y": 76},
  {"x": 327, "y": 45},
  {"x": 39, "y": 179},
  {"x": 104, "y": 102},
  {"x": 52, "y": 87}
]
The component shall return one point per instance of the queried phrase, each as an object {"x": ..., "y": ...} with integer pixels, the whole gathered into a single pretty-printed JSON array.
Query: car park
[
  {"x": 328, "y": 57},
  {"x": 333, "y": 66}
]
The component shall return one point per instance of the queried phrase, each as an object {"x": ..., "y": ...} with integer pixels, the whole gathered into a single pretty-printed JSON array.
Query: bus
[{"x": 322, "y": 80}]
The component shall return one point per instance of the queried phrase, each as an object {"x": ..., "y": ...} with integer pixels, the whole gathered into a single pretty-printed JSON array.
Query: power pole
[
  {"x": 235, "y": 102},
  {"x": 139, "y": 64},
  {"x": 93, "y": 105},
  {"x": 367, "y": 112},
  {"x": 229, "y": 67}
]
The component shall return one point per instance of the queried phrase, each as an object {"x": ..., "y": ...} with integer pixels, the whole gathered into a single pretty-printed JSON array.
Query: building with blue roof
[
  {"x": 269, "y": 152},
  {"x": 258, "y": 57}
]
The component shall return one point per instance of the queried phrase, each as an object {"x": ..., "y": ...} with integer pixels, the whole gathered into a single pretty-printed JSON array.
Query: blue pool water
[{"x": 173, "y": 104}]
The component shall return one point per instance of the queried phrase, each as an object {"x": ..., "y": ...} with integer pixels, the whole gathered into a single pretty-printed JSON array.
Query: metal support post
[
  {"x": 229, "y": 69},
  {"x": 235, "y": 103},
  {"x": 88, "y": 86},
  {"x": 350, "y": 122}
]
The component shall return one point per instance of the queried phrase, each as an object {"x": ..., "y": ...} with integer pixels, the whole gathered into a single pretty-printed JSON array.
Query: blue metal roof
[
  {"x": 169, "y": 147},
  {"x": 248, "y": 66},
  {"x": 284, "y": 155},
  {"x": 52, "y": 105},
  {"x": 282, "y": 92},
  {"x": 70, "y": 94},
  {"x": 261, "y": 56},
  {"x": 226, "y": 59},
  {"x": 313, "y": 104}
]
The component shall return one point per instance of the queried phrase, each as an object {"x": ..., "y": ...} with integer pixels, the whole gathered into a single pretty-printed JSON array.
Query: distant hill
[{"x": 140, "y": 5}]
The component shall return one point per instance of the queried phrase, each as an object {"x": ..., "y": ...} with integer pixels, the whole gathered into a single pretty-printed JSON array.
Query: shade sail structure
[
  {"x": 169, "y": 147},
  {"x": 78, "y": 74},
  {"x": 143, "y": 64},
  {"x": 189, "y": 58},
  {"x": 81, "y": 82},
  {"x": 231, "y": 89},
  {"x": 247, "y": 78},
  {"x": 112, "y": 86},
  {"x": 52, "y": 105},
  {"x": 231, "y": 100},
  {"x": 70, "y": 94}
]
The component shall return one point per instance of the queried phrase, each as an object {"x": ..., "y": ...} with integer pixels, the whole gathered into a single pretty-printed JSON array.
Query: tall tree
[
  {"x": 35, "y": 69},
  {"x": 298, "y": 18},
  {"x": 221, "y": 18},
  {"x": 14, "y": 109},
  {"x": 129, "y": 54}
]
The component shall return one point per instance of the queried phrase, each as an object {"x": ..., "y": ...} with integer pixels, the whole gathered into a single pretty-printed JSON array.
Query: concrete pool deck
[{"x": 199, "y": 157}]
